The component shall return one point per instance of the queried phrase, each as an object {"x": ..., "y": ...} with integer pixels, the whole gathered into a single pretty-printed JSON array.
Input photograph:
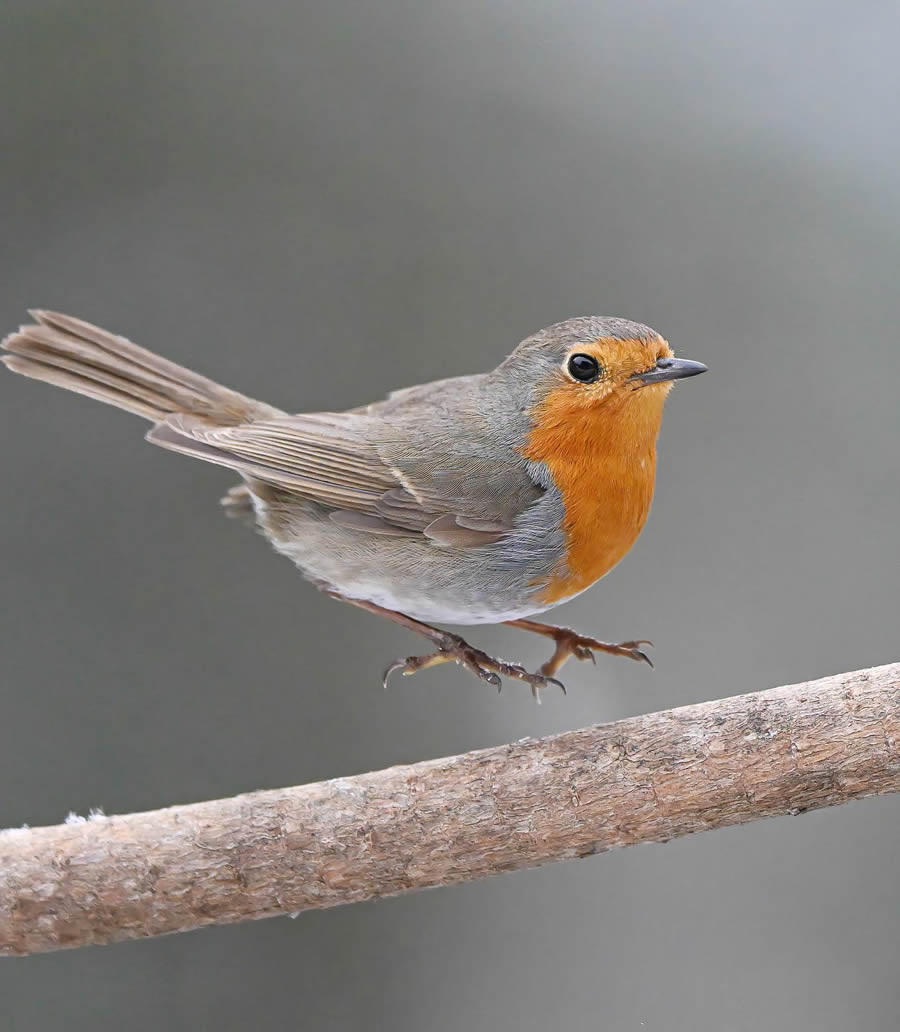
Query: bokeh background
[{"x": 317, "y": 203}]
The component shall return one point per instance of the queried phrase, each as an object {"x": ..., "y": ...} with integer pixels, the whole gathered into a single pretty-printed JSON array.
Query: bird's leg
[
  {"x": 451, "y": 648},
  {"x": 238, "y": 505},
  {"x": 571, "y": 643}
]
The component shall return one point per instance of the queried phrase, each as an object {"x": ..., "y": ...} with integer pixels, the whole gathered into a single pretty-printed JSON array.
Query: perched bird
[{"x": 475, "y": 499}]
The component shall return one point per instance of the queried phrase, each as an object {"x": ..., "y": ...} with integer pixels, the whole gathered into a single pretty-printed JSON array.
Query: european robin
[{"x": 475, "y": 499}]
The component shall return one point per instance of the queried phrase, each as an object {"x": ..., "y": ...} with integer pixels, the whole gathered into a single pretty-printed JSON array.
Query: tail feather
[
  {"x": 94, "y": 387},
  {"x": 74, "y": 354}
]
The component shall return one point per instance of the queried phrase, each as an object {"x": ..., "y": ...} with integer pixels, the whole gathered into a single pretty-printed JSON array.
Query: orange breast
[{"x": 603, "y": 460}]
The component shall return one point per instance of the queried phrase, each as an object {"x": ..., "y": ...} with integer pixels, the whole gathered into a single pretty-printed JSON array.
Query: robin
[{"x": 475, "y": 499}]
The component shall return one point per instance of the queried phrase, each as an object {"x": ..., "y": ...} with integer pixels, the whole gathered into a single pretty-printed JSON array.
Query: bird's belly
[
  {"x": 437, "y": 610},
  {"x": 490, "y": 584},
  {"x": 464, "y": 592}
]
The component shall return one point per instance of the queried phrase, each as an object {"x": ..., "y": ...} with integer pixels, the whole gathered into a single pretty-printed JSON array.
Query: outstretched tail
[{"x": 83, "y": 358}]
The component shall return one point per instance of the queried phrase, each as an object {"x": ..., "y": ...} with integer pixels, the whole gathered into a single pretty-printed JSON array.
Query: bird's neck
[{"x": 603, "y": 461}]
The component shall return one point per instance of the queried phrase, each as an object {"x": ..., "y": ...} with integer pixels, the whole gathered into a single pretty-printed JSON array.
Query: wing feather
[{"x": 340, "y": 460}]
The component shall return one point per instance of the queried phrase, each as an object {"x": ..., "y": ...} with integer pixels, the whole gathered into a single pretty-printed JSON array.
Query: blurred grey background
[{"x": 318, "y": 203}]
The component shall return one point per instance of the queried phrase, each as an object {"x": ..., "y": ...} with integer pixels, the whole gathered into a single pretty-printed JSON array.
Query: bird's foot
[
  {"x": 453, "y": 648},
  {"x": 571, "y": 643}
]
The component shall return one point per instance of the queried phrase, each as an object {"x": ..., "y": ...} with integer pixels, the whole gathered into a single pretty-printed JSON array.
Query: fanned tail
[{"x": 74, "y": 354}]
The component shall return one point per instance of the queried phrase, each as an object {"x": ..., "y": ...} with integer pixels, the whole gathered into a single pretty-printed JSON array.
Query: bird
[{"x": 477, "y": 499}]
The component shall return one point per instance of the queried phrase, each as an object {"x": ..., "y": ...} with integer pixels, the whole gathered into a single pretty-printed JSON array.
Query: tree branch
[{"x": 646, "y": 779}]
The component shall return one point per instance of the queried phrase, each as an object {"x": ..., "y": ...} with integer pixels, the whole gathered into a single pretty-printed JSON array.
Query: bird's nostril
[{"x": 664, "y": 362}]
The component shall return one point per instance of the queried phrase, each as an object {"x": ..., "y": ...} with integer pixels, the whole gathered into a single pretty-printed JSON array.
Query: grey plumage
[{"x": 364, "y": 500}]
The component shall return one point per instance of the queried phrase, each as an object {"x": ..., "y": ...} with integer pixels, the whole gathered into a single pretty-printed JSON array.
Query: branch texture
[{"x": 646, "y": 779}]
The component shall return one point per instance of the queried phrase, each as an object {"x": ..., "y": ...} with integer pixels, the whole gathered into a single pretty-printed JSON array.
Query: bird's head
[
  {"x": 591, "y": 361},
  {"x": 591, "y": 392},
  {"x": 594, "y": 376}
]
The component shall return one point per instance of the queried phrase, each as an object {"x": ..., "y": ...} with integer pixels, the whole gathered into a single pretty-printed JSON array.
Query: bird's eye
[{"x": 585, "y": 368}]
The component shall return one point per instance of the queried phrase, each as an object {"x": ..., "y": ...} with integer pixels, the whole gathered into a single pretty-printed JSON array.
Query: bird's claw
[
  {"x": 571, "y": 643},
  {"x": 632, "y": 649},
  {"x": 454, "y": 649}
]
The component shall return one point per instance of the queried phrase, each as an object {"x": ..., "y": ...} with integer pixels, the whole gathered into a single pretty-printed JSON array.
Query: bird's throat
[{"x": 603, "y": 461}]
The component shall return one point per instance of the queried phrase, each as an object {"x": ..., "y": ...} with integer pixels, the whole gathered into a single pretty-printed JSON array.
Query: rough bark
[{"x": 646, "y": 779}]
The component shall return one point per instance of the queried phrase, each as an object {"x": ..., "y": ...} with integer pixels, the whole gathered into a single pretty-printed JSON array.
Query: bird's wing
[
  {"x": 365, "y": 470},
  {"x": 411, "y": 399}
]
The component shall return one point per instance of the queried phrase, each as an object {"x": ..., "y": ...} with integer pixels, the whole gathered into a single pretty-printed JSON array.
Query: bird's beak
[{"x": 669, "y": 369}]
